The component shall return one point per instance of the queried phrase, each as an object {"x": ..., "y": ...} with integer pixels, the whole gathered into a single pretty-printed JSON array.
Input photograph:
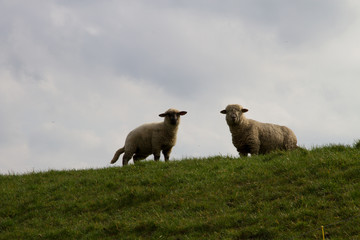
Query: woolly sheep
[
  {"x": 151, "y": 138},
  {"x": 250, "y": 136}
]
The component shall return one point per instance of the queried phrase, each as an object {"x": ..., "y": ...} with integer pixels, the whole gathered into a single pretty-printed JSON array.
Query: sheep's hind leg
[
  {"x": 138, "y": 157},
  {"x": 117, "y": 155},
  {"x": 126, "y": 158}
]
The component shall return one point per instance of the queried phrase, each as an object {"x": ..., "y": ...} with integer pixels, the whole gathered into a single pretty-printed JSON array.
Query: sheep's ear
[
  {"x": 223, "y": 111},
  {"x": 182, "y": 113},
  {"x": 244, "y": 110},
  {"x": 163, "y": 115}
]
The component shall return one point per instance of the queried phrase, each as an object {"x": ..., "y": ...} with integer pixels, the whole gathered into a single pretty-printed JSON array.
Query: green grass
[{"x": 282, "y": 195}]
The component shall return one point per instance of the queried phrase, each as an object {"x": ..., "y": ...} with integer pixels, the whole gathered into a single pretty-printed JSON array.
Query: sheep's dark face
[
  {"x": 172, "y": 116},
  {"x": 233, "y": 113}
]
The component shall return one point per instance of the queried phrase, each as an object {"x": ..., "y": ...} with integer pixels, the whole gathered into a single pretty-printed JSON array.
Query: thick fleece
[
  {"x": 151, "y": 138},
  {"x": 250, "y": 136}
]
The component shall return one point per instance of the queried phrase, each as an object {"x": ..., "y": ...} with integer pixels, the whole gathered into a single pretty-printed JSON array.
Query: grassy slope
[{"x": 276, "y": 196}]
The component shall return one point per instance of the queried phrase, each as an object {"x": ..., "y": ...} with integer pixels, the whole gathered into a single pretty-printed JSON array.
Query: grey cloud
[
  {"x": 294, "y": 22},
  {"x": 38, "y": 43},
  {"x": 117, "y": 44}
]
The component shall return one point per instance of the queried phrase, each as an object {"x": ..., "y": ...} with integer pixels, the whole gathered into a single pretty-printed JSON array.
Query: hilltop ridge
[{"x": 281, "y": 195}]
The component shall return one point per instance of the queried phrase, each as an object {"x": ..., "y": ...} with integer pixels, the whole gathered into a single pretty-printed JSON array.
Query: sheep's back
[
  {"x": 274, "y": 136},
  {"x": 140, "y": 139}
]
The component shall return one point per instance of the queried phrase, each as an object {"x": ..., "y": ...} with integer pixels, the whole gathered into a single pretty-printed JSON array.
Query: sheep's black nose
[{"x": 173, "y": 119}]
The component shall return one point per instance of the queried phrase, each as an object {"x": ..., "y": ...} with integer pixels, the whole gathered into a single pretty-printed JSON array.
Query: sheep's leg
[
  {"x": 252, "y": 147},
  {"x": 156, "y": 149},
  {"x": 243, "y": 151},
  {"x": 126, "y": 158},
  {"x": 166, "y": 153},
  {"x": 157, "y": 156},
  {"x": 243, "y": 154},
  {"x": 138, "y": 157},
  {"x": 254, "y": 150}
]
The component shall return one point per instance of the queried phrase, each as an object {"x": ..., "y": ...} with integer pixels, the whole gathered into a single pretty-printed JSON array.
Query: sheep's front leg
[
  {"x": 254, "y": 150},
  {"x": 166, "y": 153},
  {"x": 156, "y": 154},
  {"x": 243, "y": 151}
]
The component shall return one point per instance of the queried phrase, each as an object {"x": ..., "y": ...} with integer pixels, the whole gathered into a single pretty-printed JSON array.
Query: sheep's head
[
  {"x": 233, "y": 113},
  {"x": 172, "y": 116}
]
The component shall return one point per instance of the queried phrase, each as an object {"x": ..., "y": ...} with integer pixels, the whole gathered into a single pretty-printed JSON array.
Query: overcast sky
[{"x": 77, "y": 76}]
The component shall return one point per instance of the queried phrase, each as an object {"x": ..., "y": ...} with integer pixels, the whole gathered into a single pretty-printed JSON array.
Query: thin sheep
[
  {"x": 151, "y": 138},
  {"x": 250, "y": 136}
]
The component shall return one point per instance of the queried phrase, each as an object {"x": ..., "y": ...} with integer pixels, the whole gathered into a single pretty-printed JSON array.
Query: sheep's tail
[{"x": 117, "y": 155}]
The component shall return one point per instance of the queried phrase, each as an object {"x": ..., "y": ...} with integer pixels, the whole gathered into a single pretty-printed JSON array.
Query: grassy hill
[{"x": 282, "y": 195}]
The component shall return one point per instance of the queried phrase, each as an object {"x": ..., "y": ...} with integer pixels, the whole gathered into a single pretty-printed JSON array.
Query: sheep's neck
[
  {"x": 170, "y": 129},
  {"x": 241, "y": 125}
]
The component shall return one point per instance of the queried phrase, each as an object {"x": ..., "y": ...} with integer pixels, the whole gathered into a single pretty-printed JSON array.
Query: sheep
[
  {"x": 250, "y": 136},
  {"x": 151, "y": 138}
]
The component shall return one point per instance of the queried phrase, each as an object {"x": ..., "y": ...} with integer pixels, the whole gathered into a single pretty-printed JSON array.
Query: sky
[{"x": 77, "y": 76}]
